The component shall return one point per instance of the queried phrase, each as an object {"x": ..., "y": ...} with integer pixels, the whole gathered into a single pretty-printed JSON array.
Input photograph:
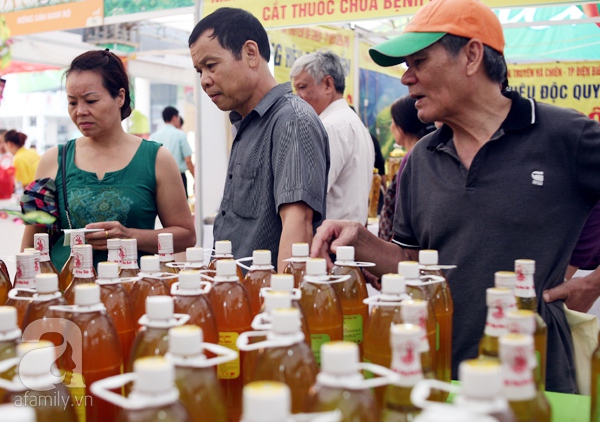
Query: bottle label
[
  {"x": 229, "y": 370},
  {"x": 406, "y": 361},
  {"x": 129, "y": 263},
  {"x": 518, "y": 375},
  {"x": 83, "y": 272},
  {"x": 25, "y": 283},
  {"x": 353, "y": 328},
  {"x": 76, "y": 385},
  {"x": 316, "y": 341},
  {"x": 525, "y": 285},
  {"x": 495, "y": 324}
]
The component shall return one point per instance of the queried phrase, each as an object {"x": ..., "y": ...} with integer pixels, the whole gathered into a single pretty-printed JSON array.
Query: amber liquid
[
  {"x": 47, "y": 267},
  {"x": 148, "y": 341},
  {"x": 69, "y": 294},
  {"x": 200, "y": 393},
  {"x": 323, "y": 312},
  {"x": 5, "y": 286},
  {"x": 8, "y": 350},
  {"x": 126, "y": 273},
  {"x": 101, "y": 358},
  {"x": 141, "y": 290},
  {"x": 117, "y": 304},
  {"x": 50, "y": 406},
  {"x": 212, "y": 265},
  {"x": 294, "y": 366},
  {"x": 171, "y": 413},
  {"x": 422, "y": 293},
  {"x": 351, "y": 294},
  {"x": 355, "y": 405},
  {"x": 540, "y": 339},
  {"x": 297, "y": 269},
  {"x": 21, "y": 306},
  {"x": 231, "y": 304},
  {"x": 40, "y": 312},
  {"x": 165, "y": 269},
  {"x": 254, "y": 281},
  {"x": 374, "y": 196},
  {"x": 534, "y": 410},
  {"x": 398, "y": 406},
  {"x": 201, "y": 313},
  {"x": 595, "y": 410}
]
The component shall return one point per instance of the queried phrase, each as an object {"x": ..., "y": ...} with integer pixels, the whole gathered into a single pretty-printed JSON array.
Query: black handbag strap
[{"x": 64, "y": 183}]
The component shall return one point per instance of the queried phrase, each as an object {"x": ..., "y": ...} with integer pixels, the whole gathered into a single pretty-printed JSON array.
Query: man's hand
[
  {"x": 334, "y": 233},
  {"x": 579, "y": 293}
]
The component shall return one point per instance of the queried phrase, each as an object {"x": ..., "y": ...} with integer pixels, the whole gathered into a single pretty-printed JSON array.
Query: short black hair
[
  {"x": 168, "y": 113},
  {"x": 232, "y": 28}
]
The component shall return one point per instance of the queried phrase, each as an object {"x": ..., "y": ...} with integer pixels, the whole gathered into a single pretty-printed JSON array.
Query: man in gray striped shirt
[{"x": 275, "y": 192}]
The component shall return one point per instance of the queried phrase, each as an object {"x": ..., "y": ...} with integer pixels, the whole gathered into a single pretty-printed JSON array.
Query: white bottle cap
[
  {"x": 282, "y": 282},
  {"x": 8, "y": 319},
  {"x": 185, "y": 340},
  {"x": 261, "y": 257},
  {"x": 26, "y": 264},
  {"x": 149, "y": 264},
  {"x": 525, "y": 266},
  {"x": 85, "y": 256},
  {"x": 498, "y": 296},
  {"x": 46, "y": 283},
  {"x": 480, "y": 378},
  {"x": 409, "y": 269},
  {"x": 189, "y": 280},
  {"x": 345, "y": 253},
  {"x": 130, "y": 248},
  {"x": 428, "y": 257},
  {"x": 37, "y": 363},
  {"x": 165, "y": 243},
  {"x": 194, "y": 254},
  {"x": 393, "y": 284},
  {"x": 277, "y": 299},
  {"x": 155, "y": 374},
  {"x": 223, "y": 247},
  {"x": 113, "y": 244},
  {"x": 505, "y": 279},
  {"x": 266, "y": 401},
  {"x": 226, "y": 268},
  {"x": 159, "y": 307},
  {"x": 13, "y": 413},
  {"x": 41, "y": 242},
  {"x": 77, "y": 237},
  {"x": 520, "y": 321},
  {"x": 403, "y": 333},
  {"x": 108, "y": 270},
  {"x": 87, "y": 294},
  {"x": 339, "y": 358},
  {"x": 316, "y": 266},
  {"x": 285, "y": 320},
  {"x": 299, "y": 250}
]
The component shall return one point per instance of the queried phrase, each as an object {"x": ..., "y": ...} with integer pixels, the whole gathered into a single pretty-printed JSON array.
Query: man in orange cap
[{"x": 503, "y": 178}]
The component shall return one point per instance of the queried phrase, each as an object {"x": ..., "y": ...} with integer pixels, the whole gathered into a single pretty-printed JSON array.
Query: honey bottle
[
  {"x": 5, "y": 285},
  {"x": 151, "y": 282},
  {"x": 24, "y": 285},
  {"x": 223, "y": 250},
  {"x": 394, "y": 160},
  {"x": 296, "y": 265},
  {"x": 165, "y": 254},
  {"x": 231, "y": 304},
  {"x": 374, "y": 194},
  {"x": 526, "y": 299},
  {"x": 351, "y": 294},
  {"x": 83, "y": 270},
  {"x": 77, "y": 237},
  {"x": 116, "y": 300},
  {"x": 498, "y": 301},
  {"x": 116, "y": 253},
  {"x": 257, "y": 277},
  {"x": 129, "y": 266},
  {"x": 41, "y": 243},
  {"x": 194, "y": 259},
  {"x": 266, "y": 401}
]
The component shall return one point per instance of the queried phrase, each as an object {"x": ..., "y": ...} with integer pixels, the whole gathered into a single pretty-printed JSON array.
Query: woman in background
[{"x": 25, "y": 160}]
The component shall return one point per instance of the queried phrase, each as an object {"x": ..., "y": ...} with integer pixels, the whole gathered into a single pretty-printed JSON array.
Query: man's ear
[
  {"x": 474, "y": 55},
  {"x": 251, "y": 53},
  {"x": 328, "y": 83}
]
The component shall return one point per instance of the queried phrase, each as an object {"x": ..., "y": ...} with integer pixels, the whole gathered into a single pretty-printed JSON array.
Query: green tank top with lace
[{"x": 127, "y": 195}]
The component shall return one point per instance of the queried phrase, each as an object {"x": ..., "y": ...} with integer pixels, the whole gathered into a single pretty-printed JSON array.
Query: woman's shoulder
[{"x": 48, "y": 165}]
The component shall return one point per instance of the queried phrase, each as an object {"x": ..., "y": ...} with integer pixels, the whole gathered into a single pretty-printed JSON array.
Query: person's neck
[{"x": 265, "y": 84}]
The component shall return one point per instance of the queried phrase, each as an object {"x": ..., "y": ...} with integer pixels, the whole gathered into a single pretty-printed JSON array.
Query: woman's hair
[
  {"x": 112, "y": 71},
  {"x": 404, "y": 115},
  {"x": 15, "y": 137}
]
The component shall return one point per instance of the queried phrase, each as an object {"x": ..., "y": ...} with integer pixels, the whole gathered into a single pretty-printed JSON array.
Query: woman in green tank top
[{"x": 115, "y": 181}]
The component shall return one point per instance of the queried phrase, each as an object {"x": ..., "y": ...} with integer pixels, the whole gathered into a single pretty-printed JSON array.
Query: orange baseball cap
[{"x": 464, "y": 18}]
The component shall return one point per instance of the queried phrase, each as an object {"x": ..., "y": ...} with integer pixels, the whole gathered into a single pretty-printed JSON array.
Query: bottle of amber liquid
[
  {"x": 129, "y": 266},
  {"x": 498, "y": 301},
  {"x": 526, "y": 299},
  {"x": 223, "y": 250},
  {"x": 528, "y": 403},
  {"x": 296, "y": 265},
  {"x": 394, "y": 160},
  {"x": 24, "y": 285},
  {"x": 374, "y": 194},
  {"x": 194, "y": 258},
  {"x": 165, "y": 253},
  {"x": 83, "y": 270},
  {"x": 151, "y": 283},
  {"x": 5, "y": 285},
  {"x": 257, "y": 277},
  {"x": 41, "y": 244},
  {"x": 115, "y": 251},
  {"x": 77, "y": 237},
  {"x": 10, "y": 336}
]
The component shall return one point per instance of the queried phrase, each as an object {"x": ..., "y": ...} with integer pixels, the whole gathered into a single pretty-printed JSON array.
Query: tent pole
[
  {"x": 356, "y": 81},
  {"x": 198, "y": 217}
]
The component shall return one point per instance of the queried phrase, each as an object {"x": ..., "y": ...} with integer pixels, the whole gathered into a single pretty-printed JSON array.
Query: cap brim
[{"x": 394, "y": 51}]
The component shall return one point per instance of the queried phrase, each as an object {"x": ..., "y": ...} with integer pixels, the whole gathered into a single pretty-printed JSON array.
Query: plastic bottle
[
  {"x": 195, "y": 375},
  {"x": 230, "y": 301},
  {"x": 194, "y": 257},
  {"x": 394, "y": 160},
  {"x": 406, "y": 361},
  {"x": 284, "y": 356},
  {"x": 41, "y": 243},
  {"x": 89, "y": 324},
  {"x": 280, "y": 299},
  {"x": 37, "y": 386},
  {"x": 83, "y": 270},
  {"x": 10, "y": 336},
  {"x": 5, "y": 284},
  {"x": 24, "y": 285},
  {"x": 443, "y": 306},
  {"x": 321, "y": 305},
  {"x": 257, "y": 277},
  {"x": 77, "y": 237},
  {"x": 190, "y": 296},
  {"x": 528, "y": 403},
  {"x": 223, "y": 250},
  {"x": 151, "y": 282},
  {"x": 498, "y": 301},
  {"x": 526, "y": 299},
  {"x": 419, "y": 290},
  {"x": 154, "y": 396},
  {"x": 116, "y": 300},
  {"x": 296, "y": 265},
  {"x": 38, "y": 311},
  {"x": 385, "y": 311},
  {"x": 351, "y": 294},
  {"x": 374, "y": 194},
  {"x": 340, "y": 384},
  {"x": 165, "y": 254},
  {"x": 116, "y": 253},
  {"x": 36, "y": 260},
  {"x": 153, "y": 338},
  {"x": 129, "y": 266}
]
